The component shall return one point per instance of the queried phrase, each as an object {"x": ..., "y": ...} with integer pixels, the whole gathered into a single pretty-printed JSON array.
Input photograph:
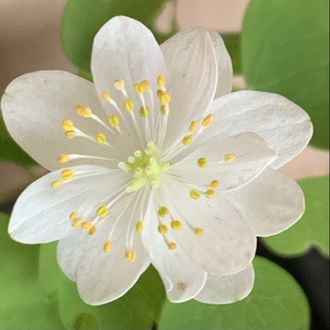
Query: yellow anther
[
  {"x": 119, "y": 84},
  {"x": 67, "y": 125},
  {"x": 144, "y": 112},
  {"x": 193, "y": 126},
  {"x": 207, "y": 121},
  {"x": 73, "y": 216},
  {"x": 229, "y": 157},
  {"x": 63, "y": 158},
  {"x": 101, "y": 138},
  {"x": 146, "y": 85},
  {"x": 214, "y": 184},
  {"x": 176, "y": 224},
  {"x": 76, "y": 223},
  {"x": 92, "y": 230},
  {"x": 199, "y": 232},
  {"x": 202, "y": 162},
  {"x": 187, "y": 139},
  {"x": 87, "y": 225},
  {"x": 56, "y": 184},
  {"x": 163, "y": 110},
  {"x": 85, "y": 112},
  {"x": 139, "y": 88},
  {"x": 107, "y": 246},
  {"x": 102, "y": 211},
  {"x": 210, "y": 193},
  {"x": 172, "y": 245},
  {"x": 194, "y": 194},
  {"x": 165, "y": 98},
  {"x": 161, "y": 81},
  {"x": 163, "y": 211},
  {"x": 129, "y": 105},
  {"x": 130, "y": 255},
  {"x": 162, "y": 229},
  {"x": 114, "y": 121},
  {"x": 67, "y": 174},
  {"x": 105, "y": 96},
  {"x": 139, "y": 226},
  {"x": 70, "y": 134}
]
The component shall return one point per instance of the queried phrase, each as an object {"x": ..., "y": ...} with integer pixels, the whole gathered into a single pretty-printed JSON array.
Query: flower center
[{"x": 145, "y": 167}]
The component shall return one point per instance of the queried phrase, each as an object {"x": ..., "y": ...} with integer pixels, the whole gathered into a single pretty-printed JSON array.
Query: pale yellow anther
[
  {"x": 114, "y": 121},
  {"x": 101, "y": 138},
  {"x": 67, "y": 174},
  {"x": 92, "y": 230},
  {"x": 187, "y": 139},
  {"x": 172, "y": 245},
  {"x": 162, "y": 229},
  {"x": 102, "y": 211},
  {"x": 139, "y": 88},
  {"x": 56, "y": 184},
  {"x": 176, "y": 224},
  {"x": 85, "y": 112},
  {"x": 106, "y": 96},
  {"x": 130, "y": 255},
  {"x": 165, "y": 98},
  {"x": 210, "y": 193},
  {"x": 194, "y": 194},
  {"x": 146, "y": 85},
  {"x": 193, "y": 126},
  {"x": 229, "y": 157},
  {"x": 202, "y": 162},
  {"x": 139, "y": 226},
  {"x": 67, "y": 125},
  {"x": 214, "y": 184},
  {"x": 161, "y": 81},
  {"x": 119, "y": 84},
  {"x": 70, "y": 134},
  {"x": 199, "y": 232},
  {"x": 163, "y": 109},
  {"x": 107, "y": 246},
  {"x": 129, "y": 105},
  {"x": 76, "y": 223},
  {"x": 144, "y": 112},
  {"x": 63, "y": 158},
  {"x": 207, "y": 121},
  {"x": 73, "y": 216},
  {"x": 163, "y": 211},
  {"x": 87, "y": 225}
]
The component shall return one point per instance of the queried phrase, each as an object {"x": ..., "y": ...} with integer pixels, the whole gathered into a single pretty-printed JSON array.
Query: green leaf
[
  {"x": 83, "y": 18},
  {"x": 23, "y": 305},
  {"x": 232, "y": 42},
  {"x": 276, "y": 302},
  {"x": 285, "y": 49},
  {"x": 313, "y": 228},
  {"x": 138, "y": 309}
]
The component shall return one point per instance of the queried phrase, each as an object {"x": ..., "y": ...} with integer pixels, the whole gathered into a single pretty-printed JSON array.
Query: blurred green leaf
[
  {"x": 232, "y": 42},
  {"x": 138, "y": 309},
  {"x": 83, "y": 18},
  {"x": 313, "y": 228},
  {"x": 9, "y": 150},
  {"x": 285, "y": 49},
  {"x": 276, "y": 302}
]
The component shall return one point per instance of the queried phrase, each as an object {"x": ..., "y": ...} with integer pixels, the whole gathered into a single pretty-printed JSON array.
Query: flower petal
[
  {"x": 192, "y": 64},
  {"x": 103, "y": 277},
  {"x": 214, "y": 234},
  {"x": 233, "y": 161},
  {"x": 227, "y": 289},
  {"x": 34, "y": 107},
  {"x": 41, "y": 213},
  {"x": 284, "y": 125},
  {"x": 272, "y": 203},
  {"x": 182, "y": 278},
  {"x": 225, "y": 67}
]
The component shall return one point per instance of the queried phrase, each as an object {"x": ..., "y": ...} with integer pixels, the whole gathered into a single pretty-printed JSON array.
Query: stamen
[
  {"x": 92, "y": 230},
  {"x": 101, "y": 138},
  {"x": 129, "y": 105},
  {"x": 202, "y": 162},
  {"x": 56, "y": 184},
  {"x": 102, "y": 211},
  {"x": 164, "y": 98},
  {"x": 229, "y": 157},
  {"x": 194, "y": 194},
  {"x": 172, "y": 245},
  {"x": 207, "y": 121},
  {"x": 76, "y": 223},
  {"x": 146, "y": 85},
  {"x": 139, "y": 226},
  {"x": 85, "y": 112},
  {"x": 176, "y": 224},
  {"x": 199, "y": 232},
  {"x": 70, "y": 134},
  {"x": 87, "y": 225},
  {"x": 67, "y": 174},
  {"x": 119, "y": 84},
  {"x": 139, "y": 88},
  {"x": 63, "y": 158},
  {"x": 144, "y": 112},
  {"x": 210, "y": 193},
  {"x": 214, "y": 184},
  {"x": 106, "y": 96},
  {"x": 107, "y": 246},
  {"x": 73, "y": 216},
  {"x": 193, "y": 126},
  {"x": 67, "y": 125},
  {"x": 163, "y": 211},
  {"x": 187, "y": 139},
  {"x": 130, "y": 255},
  {"x": 114, "y": 121},
  {"x": 161, "y": 81},
  {"x": 162, "y": 229}
]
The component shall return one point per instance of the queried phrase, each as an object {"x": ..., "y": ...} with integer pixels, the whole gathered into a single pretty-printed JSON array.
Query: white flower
[{"x": 197, "y": 179}]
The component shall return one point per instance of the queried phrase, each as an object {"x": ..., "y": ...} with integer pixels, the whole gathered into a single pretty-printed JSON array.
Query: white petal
[
  {"x": 227, "y": 289},
  {"x": 225, "y": 67},
  {"x": 182, "y": 278},
  {"x": 229, "y": 242},
  {"x": 283, "y": 124},
  {"x": 192, "y": 63},
  {"x": 41, "y": 213},
  {"x": 252, "y": 157},
  {"x": 272, "y": 203},
  {"x": 103, "y": 277},
  {"x": 34, "y": 107}
]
